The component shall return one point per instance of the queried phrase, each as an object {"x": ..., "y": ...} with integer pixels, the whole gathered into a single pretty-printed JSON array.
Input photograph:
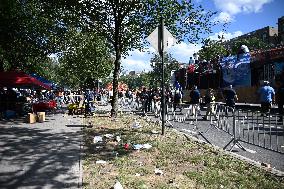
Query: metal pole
[{"x": 161, "y": 51}]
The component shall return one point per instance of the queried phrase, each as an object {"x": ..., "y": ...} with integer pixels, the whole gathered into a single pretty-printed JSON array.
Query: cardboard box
[
  {"x": 41, "y": 117},
  {"x": 31, "y": 118}
]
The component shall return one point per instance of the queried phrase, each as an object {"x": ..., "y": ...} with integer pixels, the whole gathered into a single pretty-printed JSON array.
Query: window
[{"x": 264, "y": 37}]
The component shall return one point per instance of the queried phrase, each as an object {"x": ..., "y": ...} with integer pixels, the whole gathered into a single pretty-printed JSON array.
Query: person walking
[{"x": 267, "y": 97}]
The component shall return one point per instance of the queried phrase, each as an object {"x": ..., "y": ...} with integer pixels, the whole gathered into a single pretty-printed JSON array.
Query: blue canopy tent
[{"x": 45, "y": 81}]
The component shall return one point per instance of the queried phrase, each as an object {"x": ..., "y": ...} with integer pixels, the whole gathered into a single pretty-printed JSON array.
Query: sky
[{"x": 244, "y": 16}]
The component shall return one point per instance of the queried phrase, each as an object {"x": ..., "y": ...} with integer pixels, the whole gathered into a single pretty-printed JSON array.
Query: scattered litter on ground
[
  {"x": 137, "y": 146},
  {"x": 267, "y": 165},
  {"x": 147, "y": 146},
  {"x": 137, "y": 174},
  {"x": 158, "y": 171},
  {"x": 108, "y": 135},
  {"x": 117, "y": 138},
  {"x": 142, "y": 146},
  {"x": 154, "y": 132},
  {"x": 117, "y": 185},
  {"x": 97, "y": 139},
  {"x": 101, "y": 162},
  {"x": 136, "y": 125},
  {"x": 115, "y": 153},
  {"x": 126, "y": 146}
]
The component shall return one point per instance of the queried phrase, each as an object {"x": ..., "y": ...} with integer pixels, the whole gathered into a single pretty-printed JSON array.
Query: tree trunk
[{"x": 115, "y": 84}]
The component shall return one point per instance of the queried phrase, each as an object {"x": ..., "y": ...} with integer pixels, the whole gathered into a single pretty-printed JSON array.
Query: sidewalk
[{"x": 41, "y": 155}]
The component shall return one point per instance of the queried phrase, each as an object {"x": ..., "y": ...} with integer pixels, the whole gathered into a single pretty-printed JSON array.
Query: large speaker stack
[{"x": 182, "y": 77}]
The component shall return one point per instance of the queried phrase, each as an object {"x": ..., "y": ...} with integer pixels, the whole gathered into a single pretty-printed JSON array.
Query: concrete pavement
[{"x": 41, "y": 155}]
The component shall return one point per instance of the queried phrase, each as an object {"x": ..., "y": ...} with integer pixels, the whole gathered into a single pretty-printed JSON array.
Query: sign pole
[{"x": 161, "y": 52}]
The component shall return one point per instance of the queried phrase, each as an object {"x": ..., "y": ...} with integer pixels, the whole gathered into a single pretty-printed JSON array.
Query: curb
[{"x": 240, "y": 157}]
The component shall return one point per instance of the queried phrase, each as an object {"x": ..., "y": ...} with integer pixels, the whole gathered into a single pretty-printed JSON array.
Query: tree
[
  {"x": 126, "y": 22},
  {"x": 136, "y": 81},
  {"x": 212, "y": 49},
  {"x": 252, "y": 43},
  {"x": 170, "y": 64},
  {"x": 86, "y": 60},
  {"x": 29, "y": 30}
]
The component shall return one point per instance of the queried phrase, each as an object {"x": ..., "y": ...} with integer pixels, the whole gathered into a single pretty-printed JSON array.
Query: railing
[
  {"x": 242, "y": 125},
  {"x": 251, "y": 127}
]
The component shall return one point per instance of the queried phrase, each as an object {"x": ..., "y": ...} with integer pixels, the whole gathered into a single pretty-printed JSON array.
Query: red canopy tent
[{"x": 20, "y": 79}]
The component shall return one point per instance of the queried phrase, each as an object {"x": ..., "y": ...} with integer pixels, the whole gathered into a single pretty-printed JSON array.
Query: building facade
[
  {"x": 281, "y": 30},
  {"x": 273, "y": 36}
]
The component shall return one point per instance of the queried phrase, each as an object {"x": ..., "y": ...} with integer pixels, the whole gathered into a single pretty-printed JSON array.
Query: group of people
[
  {"x": 20, "y": 101},
  {"x": 147, "y": 99},
  {"x": 150, "y": 99}
]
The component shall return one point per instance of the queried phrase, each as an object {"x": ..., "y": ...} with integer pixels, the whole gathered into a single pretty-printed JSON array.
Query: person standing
[
  {"x": 151, "y": 94},
  {"x": 230, "y": 97},
  {"x": 157, "y": 102},
  {"x": 144, "y": 100},
  {"x": 177, "y": 99},
  {"x": 210, "y": 104},
  {"x": 280, "y": 102},
  {"x": 195, "y": 100},
  {"x": 267, "y": 96}
]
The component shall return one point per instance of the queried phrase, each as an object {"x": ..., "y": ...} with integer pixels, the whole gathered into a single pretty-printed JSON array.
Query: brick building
[
  {"x": 274, "y": 36},
  {"x": 281, "y": 30}
]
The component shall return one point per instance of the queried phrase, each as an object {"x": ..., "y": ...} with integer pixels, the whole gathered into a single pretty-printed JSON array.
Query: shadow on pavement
[{"x": 37, "y": 158}]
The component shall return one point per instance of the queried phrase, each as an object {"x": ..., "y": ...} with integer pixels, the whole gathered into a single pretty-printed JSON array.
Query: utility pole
[
  {"x": 161, "y": 39},
  {"x": 161, "y": 52}
]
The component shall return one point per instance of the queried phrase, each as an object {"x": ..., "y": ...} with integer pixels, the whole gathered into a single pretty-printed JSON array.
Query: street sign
[{"x": 169, "y": 40}]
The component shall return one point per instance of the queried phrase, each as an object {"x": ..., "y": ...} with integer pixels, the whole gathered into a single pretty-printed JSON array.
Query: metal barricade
[
  {"x": 261, "y": 130},
  {"x": 251, "y": 127},
  {"x": 191, "y": 114}
]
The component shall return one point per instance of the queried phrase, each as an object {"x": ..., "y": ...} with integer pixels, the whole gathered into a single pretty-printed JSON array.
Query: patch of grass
[{"x": 184, "y": 163}]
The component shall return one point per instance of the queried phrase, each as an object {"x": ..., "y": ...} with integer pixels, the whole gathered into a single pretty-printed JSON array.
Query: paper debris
[
  {"x": 267, "y": 165},
  {"x": 101, "y": 162},
  {"x": 158, "y": 172},
  {"x": 117, "y": 185},
  {"x": 108, "y": 135},
  {"x": 137, "y": 146},
  {"x": 154, "y": 132},
  {"x": 97, "y": 139},
  {"x": 147, "y": 146},
  {"x": 142, "y": 146},
  {"x": 136, "y": 125},
  {"x": 117, "y": 138}
]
